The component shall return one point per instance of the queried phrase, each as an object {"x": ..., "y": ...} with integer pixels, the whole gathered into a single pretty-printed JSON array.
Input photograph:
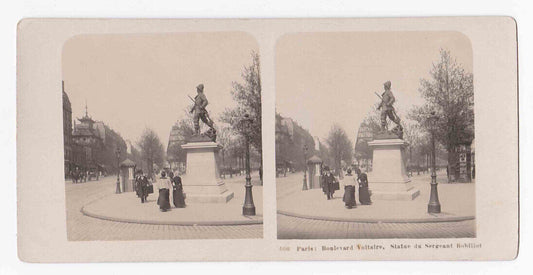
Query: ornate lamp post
[
  {"x": 117, "y": 153},
  {"x": 248, "y": 208},
  {"x": 434, "y": 204},
  {"x": 304, "y": 187}
]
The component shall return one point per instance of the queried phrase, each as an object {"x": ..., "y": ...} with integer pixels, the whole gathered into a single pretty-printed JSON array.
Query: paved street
[
  {"x": 83, "y": 228},
  {"x": 298, "y": 228},
  {"x": 290, "y": 227}
]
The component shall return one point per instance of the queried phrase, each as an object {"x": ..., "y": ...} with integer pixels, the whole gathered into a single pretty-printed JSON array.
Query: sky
[
  {"x": 134, "y": 81},
  {"x": 327, "y": 78}
]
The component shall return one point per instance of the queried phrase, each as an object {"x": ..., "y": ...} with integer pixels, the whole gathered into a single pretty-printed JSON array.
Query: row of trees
[
  {"x": 336, "y": 152},
  {"x": 340, "y": 148}
]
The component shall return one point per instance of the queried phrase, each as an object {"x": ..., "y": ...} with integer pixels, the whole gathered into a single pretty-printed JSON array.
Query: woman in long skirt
[
  {"x": 364, "y": 194},
  {"x": 179, "y": 198},
  {"x": 164, "y": 192},
  {"x": 349, "y": 191}
]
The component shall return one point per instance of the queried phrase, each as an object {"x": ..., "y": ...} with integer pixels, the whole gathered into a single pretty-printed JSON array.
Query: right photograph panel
[{"x": 375, "y": 135}]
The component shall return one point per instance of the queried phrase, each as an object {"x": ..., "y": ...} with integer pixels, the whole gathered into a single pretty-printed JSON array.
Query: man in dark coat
[
  {"x": 141, "y": 186},
  {"x": 328, "y": 183}
]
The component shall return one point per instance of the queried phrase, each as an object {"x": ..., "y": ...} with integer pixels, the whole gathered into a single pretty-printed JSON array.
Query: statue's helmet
[
  {"x": 387, "y": 84},
  {"x": 200, "y": 87}
]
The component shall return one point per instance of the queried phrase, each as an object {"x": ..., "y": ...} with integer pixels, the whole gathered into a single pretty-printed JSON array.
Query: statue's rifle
[
  {"x": 379, "y": 98},
  {"x": 380, "y": 105},
  {"x": 206, "y": 113}
]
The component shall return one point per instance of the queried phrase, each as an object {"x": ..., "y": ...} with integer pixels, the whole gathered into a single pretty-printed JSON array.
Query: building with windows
[
  {"x": 87, "y": 143},
  {"x": 67, "y": 132}
]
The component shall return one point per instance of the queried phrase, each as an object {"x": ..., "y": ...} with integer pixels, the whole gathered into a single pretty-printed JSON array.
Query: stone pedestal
[
  {"x": 202, "y": 182},
  {"x": 388, "y": 179}
]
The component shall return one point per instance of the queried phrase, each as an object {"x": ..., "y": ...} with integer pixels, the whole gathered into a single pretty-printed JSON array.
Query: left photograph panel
[{"x": 162, "y": 136}]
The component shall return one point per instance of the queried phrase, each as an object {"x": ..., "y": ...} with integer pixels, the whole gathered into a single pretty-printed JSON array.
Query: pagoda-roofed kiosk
[
  {"x": 314, "y": 165},
  {"x": 127, "y": 179}
]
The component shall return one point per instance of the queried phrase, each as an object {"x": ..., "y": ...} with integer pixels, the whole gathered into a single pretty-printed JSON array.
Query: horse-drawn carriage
[{"x": 84, "y": 174}]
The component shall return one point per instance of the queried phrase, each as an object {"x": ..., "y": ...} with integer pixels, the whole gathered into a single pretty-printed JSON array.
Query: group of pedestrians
[
  {"x": 330, "y": 184},
  {"x": 170, "y": 191},
  {"x": 169, "y": 187},
  {"x": 78, "y": 176}
]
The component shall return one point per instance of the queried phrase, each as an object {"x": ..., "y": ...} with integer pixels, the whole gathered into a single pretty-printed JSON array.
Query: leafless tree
[
  {"x": 151, "y": 149},
  {"x": 340, "y": 146}
]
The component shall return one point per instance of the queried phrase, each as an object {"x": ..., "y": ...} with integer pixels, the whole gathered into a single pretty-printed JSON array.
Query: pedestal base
[
  {"x": 209, "y": 198},
  {"x": 396, "y": 195},
  {"x": 388, "y": 180},
  {"x": 202, "y": 182}
]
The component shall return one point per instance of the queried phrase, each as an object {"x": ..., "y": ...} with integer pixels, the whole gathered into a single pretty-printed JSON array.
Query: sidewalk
[
  {"x": 457, "y": 204},
  {"x": 126, "y": 207}
]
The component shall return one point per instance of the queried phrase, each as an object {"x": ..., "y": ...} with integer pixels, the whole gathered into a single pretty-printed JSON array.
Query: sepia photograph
[
  {"x": 337, "y": 139},
  {"x": 375, "y": 136},
  {"x": 162, "y": 136}
]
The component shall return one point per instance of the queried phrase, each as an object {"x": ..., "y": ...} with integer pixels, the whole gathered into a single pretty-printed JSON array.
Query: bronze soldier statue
[
  {"x": 199, "y": 111},
  {"x": 387, "y": 110}
]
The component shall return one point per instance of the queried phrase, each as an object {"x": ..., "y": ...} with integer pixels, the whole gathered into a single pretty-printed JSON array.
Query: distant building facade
[
  {"x": 363, "y": 153},
  {"x": 290, "y": 141},
  {"x": 87, "y": 142},
  {"x": 67, "y": 132}
]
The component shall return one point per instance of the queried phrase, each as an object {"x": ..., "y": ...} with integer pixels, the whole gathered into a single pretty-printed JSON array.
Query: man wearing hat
[
  {"x": 387, "y": 110},
  {"x": 141, "y": 186},
  {"x": 328, "y": 181},
  {"x": 199, "y": 111}
]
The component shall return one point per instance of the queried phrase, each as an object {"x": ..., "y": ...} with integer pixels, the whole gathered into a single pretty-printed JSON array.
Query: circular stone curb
[
  {"x": 377, "y": 220},
  {"x": 182, "y": 223}
]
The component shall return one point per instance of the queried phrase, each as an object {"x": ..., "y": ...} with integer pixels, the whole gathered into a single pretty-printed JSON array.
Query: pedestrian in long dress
[
  {"x": 364, "y": 194},
  {"x": 164, "y": 186},
  {"x": 179, "y": 197},
  {"x": 349, "y": 190}
]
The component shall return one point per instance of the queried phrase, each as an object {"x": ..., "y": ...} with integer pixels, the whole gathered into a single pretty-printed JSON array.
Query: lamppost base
[
  {"x": 304, "y": 187},
  {"x": 248, "y": 208},
  {"x": 248, "y": 211},
  {"x": 434, "y": 204},
  {"x": 434, "y": 208}
]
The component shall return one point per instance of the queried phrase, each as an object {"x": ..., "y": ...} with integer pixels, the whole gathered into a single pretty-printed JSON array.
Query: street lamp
[
  {"x": 117, "y": 153},
  {"x": 248, "y": 208},
  {"x": 304, "y": 187},
  {"x": 434, "y": 204}
]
